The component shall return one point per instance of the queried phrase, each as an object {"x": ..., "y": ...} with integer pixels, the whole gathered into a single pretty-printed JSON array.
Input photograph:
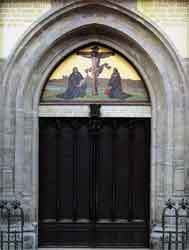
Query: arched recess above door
[{"x": 95, "y": 74}]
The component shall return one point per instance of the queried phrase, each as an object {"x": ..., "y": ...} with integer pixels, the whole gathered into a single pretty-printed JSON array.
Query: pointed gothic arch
[{"x": 51, "y": 39}]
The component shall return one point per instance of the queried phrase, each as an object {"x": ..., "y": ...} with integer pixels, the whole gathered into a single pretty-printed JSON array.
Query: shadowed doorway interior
[{"x": 94, "y": 178}]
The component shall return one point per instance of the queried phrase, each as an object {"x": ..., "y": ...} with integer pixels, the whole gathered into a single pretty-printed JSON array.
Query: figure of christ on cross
[{"x": 96, "y": 69}]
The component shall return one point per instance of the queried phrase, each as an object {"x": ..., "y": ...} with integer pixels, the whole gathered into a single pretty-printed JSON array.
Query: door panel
[
  {"x": 83, "y": 189},
  {"x": 47, "y": 172},
  {"x": 140, "y": 169},
  {"x": 104, "y": 174},
  {"x": 65, "y": 173},
  {"x": 121, "y": 156},
  {"x": 94, "y": 182}
]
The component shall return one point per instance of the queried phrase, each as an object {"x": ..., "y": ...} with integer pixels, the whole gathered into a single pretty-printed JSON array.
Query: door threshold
[{"x": 86, "y": 248}]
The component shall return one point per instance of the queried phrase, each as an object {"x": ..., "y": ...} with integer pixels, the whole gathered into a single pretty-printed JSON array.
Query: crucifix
[{"x": 96, "y": 69}]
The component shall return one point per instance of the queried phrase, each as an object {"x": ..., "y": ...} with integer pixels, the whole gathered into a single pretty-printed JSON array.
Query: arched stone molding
[{"x": 45, "y": 44}]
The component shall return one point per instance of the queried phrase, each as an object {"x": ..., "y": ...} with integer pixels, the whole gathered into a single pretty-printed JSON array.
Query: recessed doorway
[{"x": 94, "y": 182}]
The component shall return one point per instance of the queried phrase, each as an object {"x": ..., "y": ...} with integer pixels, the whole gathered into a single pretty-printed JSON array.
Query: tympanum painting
[{"x": 95, "y": 74}]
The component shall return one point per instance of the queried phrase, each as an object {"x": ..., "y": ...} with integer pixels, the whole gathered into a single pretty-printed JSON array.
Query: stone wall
[
  {"x": 2, "y": 63},
  {"x": 170, "y": 15},
  {"x": 44, "y": 46},
  {"x": 15, "y": 18},
  {"x": 172, "y": 18}
]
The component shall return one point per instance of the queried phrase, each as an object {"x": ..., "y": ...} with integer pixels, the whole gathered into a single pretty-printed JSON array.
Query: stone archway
[{"x": 46, "y": 43}]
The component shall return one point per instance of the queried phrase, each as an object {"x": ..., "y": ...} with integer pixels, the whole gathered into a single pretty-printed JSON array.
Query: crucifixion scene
[
  {"x": 95, "y": 74},
  {"x": 96, "y": 68}
]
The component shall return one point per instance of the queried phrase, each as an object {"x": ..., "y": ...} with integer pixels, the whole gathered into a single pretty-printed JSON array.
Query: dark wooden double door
[{"x": 94, "y": 182}]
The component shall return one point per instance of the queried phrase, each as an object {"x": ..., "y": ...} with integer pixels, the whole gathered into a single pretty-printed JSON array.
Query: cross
[{"x": 96, "y": 69}]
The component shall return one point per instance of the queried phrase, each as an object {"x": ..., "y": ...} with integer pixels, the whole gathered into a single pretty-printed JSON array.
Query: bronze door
[{"x": 94, "y": 179}]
